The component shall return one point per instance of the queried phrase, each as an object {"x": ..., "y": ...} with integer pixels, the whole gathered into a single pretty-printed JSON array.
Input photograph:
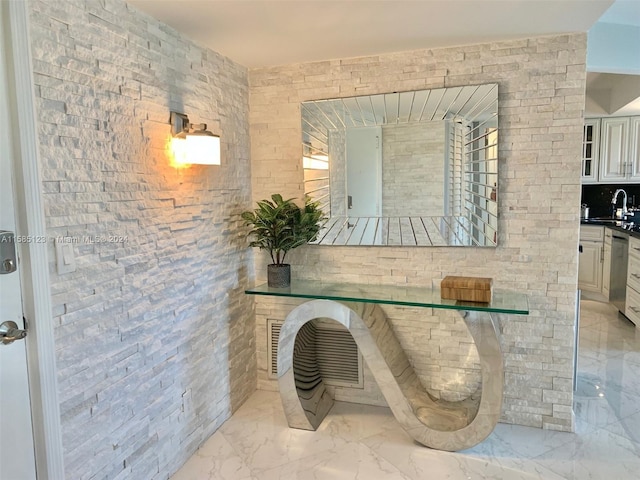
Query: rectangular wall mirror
[{"x": 413, "y": 168}]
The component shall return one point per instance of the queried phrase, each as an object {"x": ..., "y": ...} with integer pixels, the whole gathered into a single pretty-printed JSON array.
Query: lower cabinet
[
  {"x": 632, "y": 311},
  {"x": 594, "y": 272},
  {"x": 591, "y": 258},
  {"x": 606, "y": 263},
  {"x": 632, "y": 306}
]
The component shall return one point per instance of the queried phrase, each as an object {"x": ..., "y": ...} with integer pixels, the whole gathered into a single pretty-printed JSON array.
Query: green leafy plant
[{"x": 279, "y": 225}]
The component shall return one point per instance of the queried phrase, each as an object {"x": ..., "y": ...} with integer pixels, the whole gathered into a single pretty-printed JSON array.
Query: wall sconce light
[{"x": 200, "y": 145}]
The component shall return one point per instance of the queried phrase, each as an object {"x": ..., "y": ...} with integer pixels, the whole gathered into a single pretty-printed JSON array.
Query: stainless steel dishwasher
[{"x": 618, "y": 279}]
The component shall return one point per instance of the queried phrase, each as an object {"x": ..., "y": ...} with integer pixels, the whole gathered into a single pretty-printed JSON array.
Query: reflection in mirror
[{"x": 411, "y": 168}]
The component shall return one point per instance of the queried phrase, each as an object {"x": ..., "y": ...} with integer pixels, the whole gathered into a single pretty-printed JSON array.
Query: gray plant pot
[{"x": 279, "y": 275}]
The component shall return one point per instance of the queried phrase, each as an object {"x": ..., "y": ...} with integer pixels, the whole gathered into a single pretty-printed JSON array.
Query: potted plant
[{"x": 279, "y": 225}]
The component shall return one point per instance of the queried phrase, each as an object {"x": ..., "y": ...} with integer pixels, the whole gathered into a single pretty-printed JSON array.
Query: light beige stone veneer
[{"x": 541, "y": 85}]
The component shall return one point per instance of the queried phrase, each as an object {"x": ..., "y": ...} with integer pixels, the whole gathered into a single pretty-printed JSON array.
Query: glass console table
[
  {"x": 432, "y": 422},
  {"x": 502, "y": 302}
]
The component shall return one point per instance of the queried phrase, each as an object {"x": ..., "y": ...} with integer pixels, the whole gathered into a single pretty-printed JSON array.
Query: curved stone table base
[{"x": 434, "y": 423}]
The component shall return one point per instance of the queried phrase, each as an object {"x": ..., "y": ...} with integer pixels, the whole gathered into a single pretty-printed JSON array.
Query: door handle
[{"x": 9, "y": 332}]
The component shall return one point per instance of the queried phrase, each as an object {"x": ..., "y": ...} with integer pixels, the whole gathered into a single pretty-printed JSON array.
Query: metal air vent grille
[{"x": 337, "y": 354}]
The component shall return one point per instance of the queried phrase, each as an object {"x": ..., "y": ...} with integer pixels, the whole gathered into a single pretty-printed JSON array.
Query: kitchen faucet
[{"x": 624, "y": 202}]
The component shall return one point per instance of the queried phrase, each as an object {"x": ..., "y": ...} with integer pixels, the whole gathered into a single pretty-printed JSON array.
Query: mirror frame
[{"x": 469, "y": 216}]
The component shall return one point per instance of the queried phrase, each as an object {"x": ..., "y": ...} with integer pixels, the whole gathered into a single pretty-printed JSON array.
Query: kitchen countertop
[{"x": 616, "y": 227}]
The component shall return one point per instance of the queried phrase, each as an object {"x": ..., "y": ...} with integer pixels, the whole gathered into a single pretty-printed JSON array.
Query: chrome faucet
[{"x": 624, "y": 202}]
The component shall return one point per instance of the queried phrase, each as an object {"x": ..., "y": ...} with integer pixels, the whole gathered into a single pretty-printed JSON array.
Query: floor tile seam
[
  {"x": 611, "y": 408},
  {"x": 259, "y": 473},
  {"x": 608, "y": 355},
  {"x": 602, "y": 336},
  {"x": 598, "y": 356},
  {"x": 594, "y": 337},
  {"x": 471, "y": 457},
  {"x": 591, "y": 427},
  {"x": 635, "y": 363},
  {"x": 544, "y": 457},
  {"x": 410, "y": 461},
  {"x": 239, "y": 455},
  {"x": 596, "y": 327},
  {"x": 599, "y": 317},
  {"x": 570, "y": 438},
  {"x": 315, "y": 452},
  {"x": 584, "y": 436},
  {"x": 631, "y": 440},
  {"x": 506, "y": 452},
  {"x": 608, "y": 387},
  {"x": 608, "y": 322},
  {"x": 253, "y": 419},
  {"x": 589, "y": 326},
  {"x": 379, "y": 456},
  {"x": 633, "y": 444},
  {"x": 311, "y": 453},
  {"x": 495, "y": 461},
  {"x": 384, "y": 430},
  {"x": 617, "y": 392},
  {"x": 216, "y": 465},
  {"x": 539, "y": 471},
  {"x": 624, "y": 417},
  {"x": 342, "y": 418}
]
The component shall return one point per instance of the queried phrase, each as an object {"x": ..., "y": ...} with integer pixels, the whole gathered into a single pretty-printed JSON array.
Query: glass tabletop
[{"x": 502, "y": 302}]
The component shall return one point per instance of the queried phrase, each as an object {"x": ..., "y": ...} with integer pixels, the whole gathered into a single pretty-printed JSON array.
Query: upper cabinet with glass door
[
  {"x": 611, "y": 150},
  {"x": 590, "y": 145}
]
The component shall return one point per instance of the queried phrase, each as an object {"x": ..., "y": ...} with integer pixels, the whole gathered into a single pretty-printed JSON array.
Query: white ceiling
[{"x": 259, "y": 33}]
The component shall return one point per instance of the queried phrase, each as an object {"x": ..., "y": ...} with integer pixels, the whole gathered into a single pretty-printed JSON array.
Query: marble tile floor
[{"x": 365, "y": 442}]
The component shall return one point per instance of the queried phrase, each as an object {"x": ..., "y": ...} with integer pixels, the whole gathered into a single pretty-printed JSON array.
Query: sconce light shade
[{"x": 201, "y": 146}]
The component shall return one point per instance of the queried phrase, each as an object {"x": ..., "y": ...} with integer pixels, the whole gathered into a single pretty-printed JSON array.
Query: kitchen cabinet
[
  {"x": 591, "y": 258},
  {"x": 611, "y": 150},
  {"x": 634, "y": 147},
  {"x": 618, "y": 154},
  {"x": 590, "y": 150},
  {"x": 613, "y": 159},
  {"x": 606, "y": 264},
  {"x": 632, "y": 307}
]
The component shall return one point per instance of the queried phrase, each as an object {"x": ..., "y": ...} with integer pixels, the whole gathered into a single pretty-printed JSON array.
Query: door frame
[
  {"x": 377, "y": 129},
  {"x": 30, "y": 222}
]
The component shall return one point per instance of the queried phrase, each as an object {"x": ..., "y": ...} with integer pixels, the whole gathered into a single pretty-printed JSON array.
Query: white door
[
  {"x": 17, "y": 460},
  {"x": 364, "y": 172}
]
